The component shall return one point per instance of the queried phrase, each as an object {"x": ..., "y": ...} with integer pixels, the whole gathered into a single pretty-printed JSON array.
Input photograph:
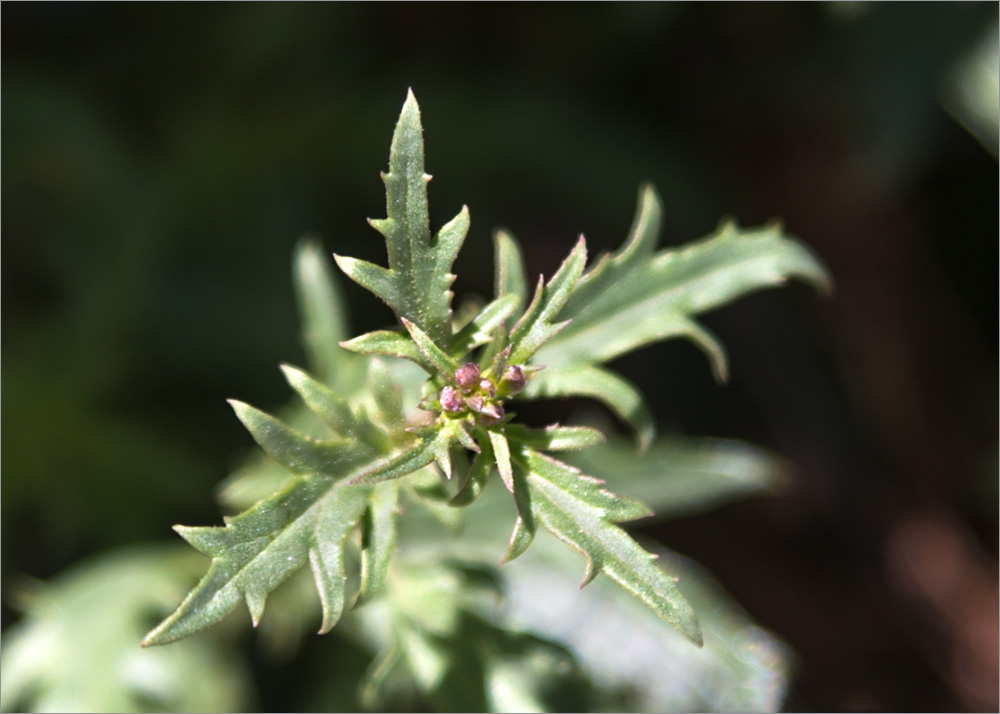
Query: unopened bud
[
  {"x": 451, "y": 400},
  {"x": 467, "y": 376},
  {"x": 513, "y": 379},
  {"x": 489, "y": 412},
  {"x": 487, "y": 386}
]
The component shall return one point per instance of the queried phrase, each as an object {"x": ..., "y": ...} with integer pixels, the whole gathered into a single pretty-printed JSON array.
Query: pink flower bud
[
  {"x": 491, "y": 416},
  {"x": 451, "y": 400},
  {"x": 489, "y": 412},
  {"x": 513, "y": 379},
  {"x": 467, "y": 376},
  {"x": 487, "y": 386}
]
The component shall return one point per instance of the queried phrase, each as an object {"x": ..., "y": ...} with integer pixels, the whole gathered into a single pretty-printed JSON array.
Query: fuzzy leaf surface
[
  {"x": 258, "y": 549},
  {"x": 388, "y": 343},
  {"x": 299, "y": 453},
  {"x": 537, "y": 325},
  {"x": 681, "y": 476},
  {"x": 580, "y": 512},
  {"x": 637, "y": 297},
  {"x": 308, "y": 521},
  {"x": 417, "y": 283},
  {"x": 620, "y": 395},
  {"x": 378, "y": 537}
]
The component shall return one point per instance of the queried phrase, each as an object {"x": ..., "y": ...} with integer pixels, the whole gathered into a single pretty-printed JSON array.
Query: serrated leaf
[
  {"x": 417, "y": 283},
  {"x": 611, "y": 315},
  {"x": 378, "y": 538},
  {"x": 536, "y": 326},
  {"x": 441, "y": 362},
  {"x": 582, "y": 514},
  {"x": 389, "y": 343},
  {"x": 257, "y": 550},
  {"x": 301, "y": 454},
  {"x": 501, "y": 453},
  {"x": 681, "y": 476},
  {"x": 432, "y": 447},
  {"x": 554, "y": 438},
  {"x": 333, "y": 410},
  {"x": 483, "y": 326},
  {"x": 614, "y": 508},
  {"x": 620, "y": 395},
  {"x": 479, "y": 473}
]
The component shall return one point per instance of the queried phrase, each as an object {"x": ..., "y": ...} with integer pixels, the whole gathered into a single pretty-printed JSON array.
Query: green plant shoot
[{"x": 337, "y": 509}]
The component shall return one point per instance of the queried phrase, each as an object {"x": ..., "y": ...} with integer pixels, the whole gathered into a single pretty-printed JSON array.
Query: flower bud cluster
[{"x": 476, "y": 393}]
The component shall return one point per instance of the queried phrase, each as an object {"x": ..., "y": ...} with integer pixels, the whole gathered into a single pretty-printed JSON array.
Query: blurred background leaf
[
  {"x": 161, "y": 162},
  {"x": 76, "y": 648}
]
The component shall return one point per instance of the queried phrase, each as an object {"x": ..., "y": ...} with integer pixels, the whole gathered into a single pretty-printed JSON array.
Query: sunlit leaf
[
  {"x": 580, "y": 512},
  {"x": 681, "y": 476},
  {"x": 665, "y": 290},
  {"x": 536, "y": 326},
  {"x": 417, "y": 283},
  {"x": 617, "y": 393}
]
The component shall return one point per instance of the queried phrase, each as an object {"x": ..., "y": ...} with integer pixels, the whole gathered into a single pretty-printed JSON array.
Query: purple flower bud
[
  {"x": 451, "y": 400},
  {"x": 491, "y": 416},
  {"x": 487, "y": 386},
  {"x": 489, "y": 412},
  {"x": 513, "y": 379},
  {"x": 467, "y": 376}
]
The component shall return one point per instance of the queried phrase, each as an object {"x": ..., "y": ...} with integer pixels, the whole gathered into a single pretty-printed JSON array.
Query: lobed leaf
[
  {"x": 536, "y": 325},
  {"x": 333, "y": 410},
  {"x": 482, "y": 328},
  {"x": 309, "y": 520},
  {"x": 555, "y": 437},
  {"x": 257, "y": 550},
  {"x": 299, "y": 453},
  {"x": 620, "y": 395},
  {"x": 581, "y": 513},
  {"x": 611, "y": 269},
  {"x": 441, "y": 362},
  {"x": 612, "y": 315},
  {"x": 681, "y": 476},
  {"x": 417, "y": 283},
  {"x": 389, "y": 343}
]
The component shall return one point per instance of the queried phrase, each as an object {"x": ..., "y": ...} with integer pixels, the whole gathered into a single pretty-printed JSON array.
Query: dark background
[{"x": 161, "y": 161}]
